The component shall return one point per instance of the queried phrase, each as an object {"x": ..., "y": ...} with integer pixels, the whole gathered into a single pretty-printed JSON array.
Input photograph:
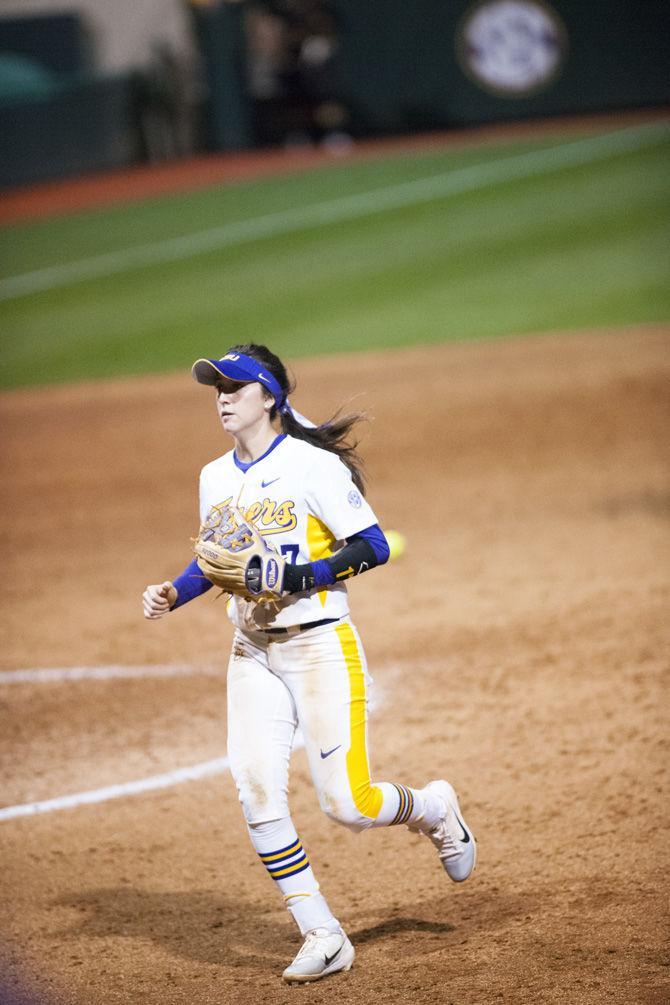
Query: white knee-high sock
[
  {"x": 415, "y": 807},
  {"x": 281, "y": 852}
]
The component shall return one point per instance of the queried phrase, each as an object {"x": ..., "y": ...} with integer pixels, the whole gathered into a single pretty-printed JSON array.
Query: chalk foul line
[
  {"x": 57, "y": 675},
  {"x": 192, "y": 773},
  {"x": 391, "y": 197}
]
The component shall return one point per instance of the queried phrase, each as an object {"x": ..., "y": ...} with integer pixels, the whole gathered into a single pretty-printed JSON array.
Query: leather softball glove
[{"x": 233, "y": 555}]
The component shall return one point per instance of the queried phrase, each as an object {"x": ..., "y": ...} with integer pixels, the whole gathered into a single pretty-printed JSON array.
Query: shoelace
[
  {"x": 311, "y": 939},
  {"x": 445, "y": 840}
]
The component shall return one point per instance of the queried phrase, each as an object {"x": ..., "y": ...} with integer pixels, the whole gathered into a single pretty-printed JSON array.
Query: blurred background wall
[
  {"x": 121, "y": 34},
  {"x": 95, "y": 84}
]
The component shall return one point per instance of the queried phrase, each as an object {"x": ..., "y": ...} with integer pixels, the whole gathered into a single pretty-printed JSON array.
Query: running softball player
[{"x": 299, "y": 660}]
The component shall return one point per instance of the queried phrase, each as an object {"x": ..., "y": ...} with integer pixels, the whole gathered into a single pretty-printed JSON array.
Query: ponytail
[{"x": 332, "y": 435}]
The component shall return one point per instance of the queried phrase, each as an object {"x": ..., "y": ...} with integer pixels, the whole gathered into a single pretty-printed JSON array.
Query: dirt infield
[{"x": 520, "y": 648}]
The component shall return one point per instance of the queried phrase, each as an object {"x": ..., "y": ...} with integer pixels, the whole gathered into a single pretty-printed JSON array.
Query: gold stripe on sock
[
  {"x": 298, "y": 866},
  {"x": 410, "y": 806},
  {"x": 402, "y": 805},
  {"x": 291, "y": 850}
]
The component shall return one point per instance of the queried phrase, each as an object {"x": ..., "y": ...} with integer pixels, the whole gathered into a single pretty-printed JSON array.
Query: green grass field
[{"x": 501, "y": 239}]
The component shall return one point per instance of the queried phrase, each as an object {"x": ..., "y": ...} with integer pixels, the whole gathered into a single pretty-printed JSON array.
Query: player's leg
[
  {"x": 261, "y": 727},
  {"x": 326, "y": 672}
]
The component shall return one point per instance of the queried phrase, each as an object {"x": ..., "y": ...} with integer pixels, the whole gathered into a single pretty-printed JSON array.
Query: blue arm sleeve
[
  {"x": 190, "y": 584},
  {"x": 322, "y": 572},
  {"x": 374, "y": 535}
]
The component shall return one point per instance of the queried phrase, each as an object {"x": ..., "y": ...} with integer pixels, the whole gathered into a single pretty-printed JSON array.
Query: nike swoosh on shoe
[{"x": 466, "y": 837}]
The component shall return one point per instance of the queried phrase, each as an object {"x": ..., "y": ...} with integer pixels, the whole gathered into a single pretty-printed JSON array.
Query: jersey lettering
[
  {"x": 305, "y": 521},
  {"x": 268, "y": 516}
]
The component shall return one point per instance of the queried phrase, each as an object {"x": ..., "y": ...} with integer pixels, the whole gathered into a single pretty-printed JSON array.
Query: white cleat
[
  {"x": 455, "y": 842},
  {"x": 322, "y": 953}
]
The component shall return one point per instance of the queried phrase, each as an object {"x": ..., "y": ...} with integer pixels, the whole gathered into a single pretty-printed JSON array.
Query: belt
[{"x": 293, "y": 629}]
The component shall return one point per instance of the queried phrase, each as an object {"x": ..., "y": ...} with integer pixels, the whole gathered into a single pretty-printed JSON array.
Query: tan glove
[{"x": 233, "y": 555}]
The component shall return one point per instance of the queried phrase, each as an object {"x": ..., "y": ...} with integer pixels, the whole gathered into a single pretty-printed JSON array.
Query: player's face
[{"x": 241, "y": 406}]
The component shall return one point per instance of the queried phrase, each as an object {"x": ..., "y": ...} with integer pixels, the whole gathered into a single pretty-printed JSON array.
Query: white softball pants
[{"x": 319, "y": 680}]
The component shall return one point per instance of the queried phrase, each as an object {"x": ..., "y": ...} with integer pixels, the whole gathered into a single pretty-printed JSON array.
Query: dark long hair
[{"x": 332, "y": 435}]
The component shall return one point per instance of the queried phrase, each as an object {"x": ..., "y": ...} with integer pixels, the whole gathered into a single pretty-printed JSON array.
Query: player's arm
[
  {"x": 160, "y": 598},
  {"x": 362, "y": 551},
  {"x": 163, "y": 597}
]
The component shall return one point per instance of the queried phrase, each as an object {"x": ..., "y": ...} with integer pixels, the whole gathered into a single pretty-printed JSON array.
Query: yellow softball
[{"x": 396, "y": 543}]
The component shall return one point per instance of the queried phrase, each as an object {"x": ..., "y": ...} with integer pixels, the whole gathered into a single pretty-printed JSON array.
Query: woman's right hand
[{"x": 158, "y": 599}]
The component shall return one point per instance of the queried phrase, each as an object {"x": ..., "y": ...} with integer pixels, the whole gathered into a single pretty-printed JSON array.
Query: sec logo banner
[{"x": 512, "y": 48}]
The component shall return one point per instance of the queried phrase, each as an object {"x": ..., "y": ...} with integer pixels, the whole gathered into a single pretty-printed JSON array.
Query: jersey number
[{"x": 290, "y": 552}]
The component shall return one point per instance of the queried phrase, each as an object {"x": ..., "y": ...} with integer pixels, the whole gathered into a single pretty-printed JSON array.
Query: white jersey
[{"x": 303, "y": 501}]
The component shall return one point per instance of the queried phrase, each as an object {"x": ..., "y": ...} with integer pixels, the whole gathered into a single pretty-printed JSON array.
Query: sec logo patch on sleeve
[{"x": 355, "y": 500}]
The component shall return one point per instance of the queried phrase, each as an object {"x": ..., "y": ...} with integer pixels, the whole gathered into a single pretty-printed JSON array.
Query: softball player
[{"x": 300, "y": 661}]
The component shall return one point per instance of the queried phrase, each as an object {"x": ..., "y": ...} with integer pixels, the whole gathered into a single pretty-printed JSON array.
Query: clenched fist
[{"x": 158, "y": 599}]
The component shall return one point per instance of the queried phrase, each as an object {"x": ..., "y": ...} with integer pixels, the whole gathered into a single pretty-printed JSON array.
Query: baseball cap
[{"x": 237, "y": 366}]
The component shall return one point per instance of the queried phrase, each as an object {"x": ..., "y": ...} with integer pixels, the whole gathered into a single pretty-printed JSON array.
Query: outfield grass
[{"x": 579, "y": 246}]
